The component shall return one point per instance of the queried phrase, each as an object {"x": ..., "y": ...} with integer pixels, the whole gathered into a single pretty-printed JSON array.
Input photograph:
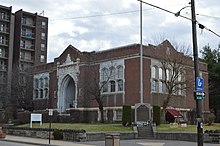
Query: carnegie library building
[{"x": 75, "y": 82}]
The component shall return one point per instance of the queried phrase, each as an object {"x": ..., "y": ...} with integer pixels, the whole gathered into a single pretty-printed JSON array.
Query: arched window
[
  {"x": 160, "y": 73},
  {"x": 160, "y": 87},
  {"x": 120, "y": 85},
  {"x": 41, "y": 93},
  {"x": 41, "y": 83},
  {"x": 112, "y": 86},
  {"x": 154, "y": 72},
  {"x": 120, "y": 72},
  {"x": 168, "y": 74},
  {"x": 105, "y": 86},
  {"x": 46, "y": 82},
  {"x": 104, "y": 74},
  {"x": 46, "y": 93},
  {"x": 154, "y": 86},
  {"x": 180, "y": 77},
  {"x": 112, "y": 72}
]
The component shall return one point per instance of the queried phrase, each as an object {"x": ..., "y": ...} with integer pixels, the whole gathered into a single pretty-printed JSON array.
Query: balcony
[
  {"x": 28, "y": 47},
  {"x": 29, "y": 60},
  {"x": 28, "y": 35},
  {"x": 4, "y": 30},
  {"x": 4, "y": 55},
  {"x": 3, "y": 42},
  {"x": 28, "y": 24},
  {"x": 4, "y": 17}
]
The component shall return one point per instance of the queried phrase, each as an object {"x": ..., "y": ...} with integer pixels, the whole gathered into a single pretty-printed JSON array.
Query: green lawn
[
  {"x": 119, "y": 128},
  {"x": 88, "y": 127},
  {"x": 189, "y": 128}
]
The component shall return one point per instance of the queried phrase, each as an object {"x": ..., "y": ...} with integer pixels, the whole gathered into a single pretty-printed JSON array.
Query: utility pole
[
  {"x": 196, "y": 68},
  {"x": 141, "y": 57}
]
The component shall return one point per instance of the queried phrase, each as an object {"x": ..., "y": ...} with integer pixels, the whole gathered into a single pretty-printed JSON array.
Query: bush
[
  {"x": 126, "y": 115},
  {"x": 156, "y": 114},
  {"x": 58, "y": 134},
  {"x": 209, "y": 118}
]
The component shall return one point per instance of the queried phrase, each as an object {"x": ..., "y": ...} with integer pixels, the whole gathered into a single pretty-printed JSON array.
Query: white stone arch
[{"x": 67, "y": 94}]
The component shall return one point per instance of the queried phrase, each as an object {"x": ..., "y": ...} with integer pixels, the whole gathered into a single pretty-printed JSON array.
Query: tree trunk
[
  {"x": 163, "y": 118},
  {"x": 102, "y": 113}
]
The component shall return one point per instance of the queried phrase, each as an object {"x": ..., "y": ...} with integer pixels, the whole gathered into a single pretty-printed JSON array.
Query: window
[
  {"x": 43, "y": 36},
  {"x": 23, "y": 20},
  {"x": 3, "y": 15},
  {"x": 46, "y": 82},
  {"x": 120, "y": 85},
  {"x": 104, "y": 74},
  {"x": 43, "y": 24},
  {"x": 180, "y": 77},
  {"x": 2, "y": 64},
  {"x": 42, "y": 58},
  {"x": 160, "y": 87},
  {"x": 22, "y": 44},
  {"x": 46, "y": 92},
  {"x": 28, "y": 56},
  {"x": 105, "y": 87},
  {"x": 2, "y": 39},
  {"x": 42, "y": 47},
  {"x": 22, "y": 55},
  {"x": 120, "y": 72},
  {"x": 112, "y": 72},
  {"x": 168, "y": 74},
  {"x": 112, "y": 86},
  {"x": 41, "y": 83},
  {"x": 1, "y": 52},
  {"x": 23, "y": 31},
  {"x": 181, "y": 89},
  {"x": 154, "y": 86},
  {"x": 154, "y": 72},
  {"x": 160, "y": 73},
  {"x": 2, "y": 27},
  {"x": 41, "y": 93}
]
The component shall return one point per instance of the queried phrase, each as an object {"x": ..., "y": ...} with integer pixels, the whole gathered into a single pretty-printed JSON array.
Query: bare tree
[
  {"x": 174, "y": 67},
  {"x": 21, "y": 86},
  {"x": 94, "y": 86}
]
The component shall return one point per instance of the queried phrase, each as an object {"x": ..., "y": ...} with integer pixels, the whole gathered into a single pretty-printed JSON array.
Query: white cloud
[
  {"x": 69, "y": 22},
  {"x": 118, "y": 22}
]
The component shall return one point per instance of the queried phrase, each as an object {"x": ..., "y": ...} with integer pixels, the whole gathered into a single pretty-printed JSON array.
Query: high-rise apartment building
[{"x": 23, "y": 43}]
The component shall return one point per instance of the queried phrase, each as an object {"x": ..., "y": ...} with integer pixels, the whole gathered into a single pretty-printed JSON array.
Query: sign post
[
  {"x": 50, "y": 115},
  {"x": 199, "y": 84}
]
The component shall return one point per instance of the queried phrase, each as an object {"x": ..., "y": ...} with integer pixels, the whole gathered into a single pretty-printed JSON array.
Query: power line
[
  {"x": 213, "y": 17},
  {"x": 100, "y": 15},
  {"x": 200, "y": 25}
]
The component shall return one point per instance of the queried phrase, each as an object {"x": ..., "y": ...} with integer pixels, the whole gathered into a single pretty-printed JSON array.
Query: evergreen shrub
[{"x": 126, "y": 115}]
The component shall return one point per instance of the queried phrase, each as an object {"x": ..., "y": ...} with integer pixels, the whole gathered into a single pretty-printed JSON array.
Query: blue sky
[{"x": 96, "y": 25}]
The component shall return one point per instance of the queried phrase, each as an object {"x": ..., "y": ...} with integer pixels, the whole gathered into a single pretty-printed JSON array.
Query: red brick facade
[{"x": 130, "y": 95}]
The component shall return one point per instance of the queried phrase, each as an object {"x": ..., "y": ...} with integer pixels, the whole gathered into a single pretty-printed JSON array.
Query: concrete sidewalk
[{"x": 41, "y": 142}]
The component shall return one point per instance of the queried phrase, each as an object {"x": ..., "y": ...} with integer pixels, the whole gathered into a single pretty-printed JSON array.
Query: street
[
  {"x": 5, "y": 143},
  {"x": 144, "y": 142}
]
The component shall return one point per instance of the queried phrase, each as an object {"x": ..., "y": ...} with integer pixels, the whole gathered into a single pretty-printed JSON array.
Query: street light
[
  {"x": 178, "y": 13},
  {"x": 196, "y": 69}
]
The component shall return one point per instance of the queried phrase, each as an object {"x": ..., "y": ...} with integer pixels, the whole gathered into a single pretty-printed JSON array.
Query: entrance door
[{"x": 67, "y": 96}]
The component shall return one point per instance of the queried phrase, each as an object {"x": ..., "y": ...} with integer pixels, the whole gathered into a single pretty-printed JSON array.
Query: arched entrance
[{"x": 67, "y": 96}]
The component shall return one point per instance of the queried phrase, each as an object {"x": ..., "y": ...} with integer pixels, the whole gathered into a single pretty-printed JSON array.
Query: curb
[{"x": 25, "y": 142}]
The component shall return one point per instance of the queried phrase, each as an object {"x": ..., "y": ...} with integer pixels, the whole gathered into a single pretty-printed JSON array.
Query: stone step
[{"x": 145, "y": 132}]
